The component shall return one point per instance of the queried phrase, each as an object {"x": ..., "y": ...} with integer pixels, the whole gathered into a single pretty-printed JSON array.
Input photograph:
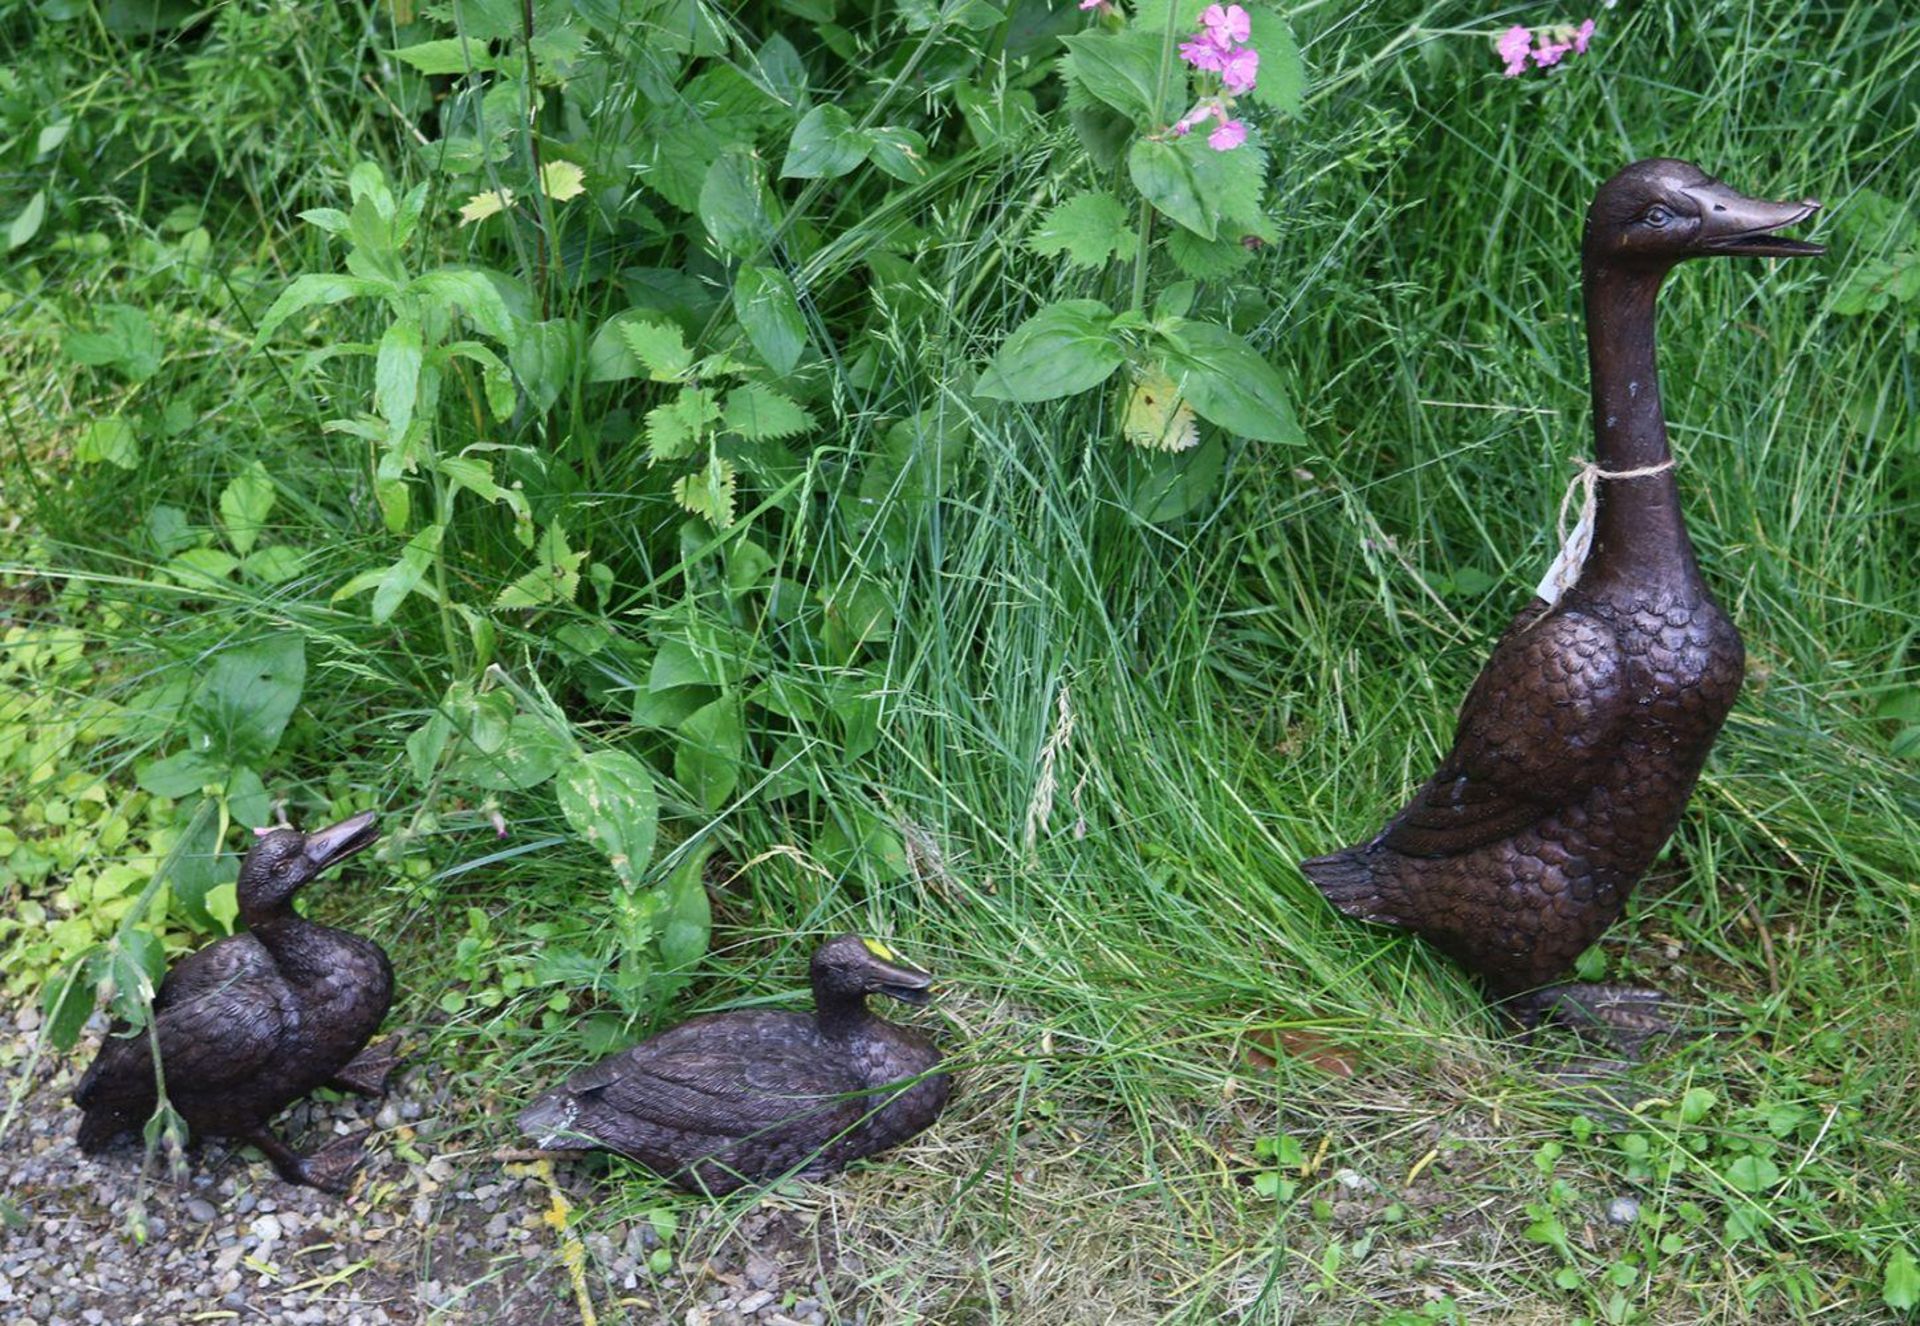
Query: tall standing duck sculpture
[
  {"x": 251, "y": 1023},
  {"x": 1580, "y": 742}
]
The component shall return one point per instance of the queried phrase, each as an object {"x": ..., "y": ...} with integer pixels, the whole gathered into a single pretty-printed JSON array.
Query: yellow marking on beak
[{"x": 879, "y": 950}]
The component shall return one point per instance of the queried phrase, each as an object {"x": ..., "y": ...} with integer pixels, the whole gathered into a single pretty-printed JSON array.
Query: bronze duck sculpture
[
  {"x": 1579, "y": 745},
  {"x": 251, "y": 1023},
  {"x": 729, "y": 1098}
]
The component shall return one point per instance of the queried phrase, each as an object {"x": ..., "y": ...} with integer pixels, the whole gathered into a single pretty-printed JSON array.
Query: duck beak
[
  {"x": 326, "y": 847},
  {"x": 909, "y": 985},
  {"x": 1736, "y": 226}
]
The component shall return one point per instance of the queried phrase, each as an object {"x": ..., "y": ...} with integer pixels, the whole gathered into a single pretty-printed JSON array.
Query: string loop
[{"x": 1574, "y": 542}]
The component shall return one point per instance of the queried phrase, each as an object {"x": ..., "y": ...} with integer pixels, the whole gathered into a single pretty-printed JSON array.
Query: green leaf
[
  {"x": 901, "y": 153},
  {"x": 1089, "y": 228},
  {"x": 247, "y": 696},
  {"x": 1165, "y": 486},
  {"x": 449, "y": 55},
  {"x": 396, "y": 377},
  {"x": 1696, "y": 1104},
  {"x": 735, "y": 205},
  {"x": 1900, "y": 1283},
  {"x": 708, "y": 492},
  {"x": 608, "y": 798},
  {"x": 1283, "y": 74},
  {"x": 1165, "y": 178},
  {"x": 531, "y": 753},
  {"x": 272, "y": 566},
  {"x": 426, "y": 744},
  {"x": 245, "y": 504},
  {"x": 110, "y": 440},
  {"x": 1230, "y": 384},
  {"x": 1122, "y": 69},
  {"x": 543, "y": 360},
  {"x": 311, "y": 290},
  {"x": 67, "y": 1001},
  {"x": 555, "y": 580},
  {"x": 125, "y": 340},
  {"x": 1751, "y": 1174},
  {"x": 688, "y": 923},
  {"x": 400, "y": 579},
  {"x": 472, "y": 292},
  {"x": 26, "y": 224},
  {"x": 661, "y": 346},
  {"x": 707, "y": 760},
  {"x": 203, "y": 566},
  {"x": 825, "y": 144},
  {"x": 179, "y": 775},
  {"x": 769, "y": 311},
  {"x": 759, "y": 413},
  {"x": 1065, "y": 348}
]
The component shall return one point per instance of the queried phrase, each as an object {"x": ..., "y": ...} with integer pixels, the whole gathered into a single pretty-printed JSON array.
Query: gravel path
[{"x": 434, "y": 1230}]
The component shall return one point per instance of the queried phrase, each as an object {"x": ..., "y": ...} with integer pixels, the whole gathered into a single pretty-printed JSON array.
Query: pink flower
[
  {"x": 1549, "y": 53},
  {"x": 1242, "y": 66},
  {"x": 1581, "y": 36},
  {"x": 1226, "y": 26},
  {"x": 1228, "y": 136},
  {"x": 1512, "y": 47},
  {"x": 1201, "y": 53},
  {"x": 1093, "y": 4}
]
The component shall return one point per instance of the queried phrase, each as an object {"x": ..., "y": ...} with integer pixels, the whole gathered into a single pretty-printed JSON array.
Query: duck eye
[{"x": 1657, "y": 216}]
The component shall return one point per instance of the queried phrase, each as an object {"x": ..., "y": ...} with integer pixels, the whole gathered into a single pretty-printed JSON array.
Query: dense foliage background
[{"x": 713, "y": 478}]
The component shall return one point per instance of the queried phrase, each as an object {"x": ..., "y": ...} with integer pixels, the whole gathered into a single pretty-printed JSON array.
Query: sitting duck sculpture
[
  {"x": 1579, "y": 744},
  {"x": 251, "y": 1023},
  {"x": 728, "y": 1098}
]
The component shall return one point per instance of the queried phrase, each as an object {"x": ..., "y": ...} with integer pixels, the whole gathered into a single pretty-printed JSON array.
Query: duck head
[
  {"x": 283, "y": 861},
  {"x": 1658, "y": 212},
  {"x": 850, "y": 967}
]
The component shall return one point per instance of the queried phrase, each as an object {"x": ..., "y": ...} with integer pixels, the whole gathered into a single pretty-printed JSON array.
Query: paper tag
[{"x": 1565, "y": 570}]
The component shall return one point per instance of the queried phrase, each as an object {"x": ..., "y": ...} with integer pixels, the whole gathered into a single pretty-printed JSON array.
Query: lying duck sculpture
[
  {"x": 1579, "y": 745},
  {"x": 729, "y": 1098},
  {"x": 251, "y": 1023}
]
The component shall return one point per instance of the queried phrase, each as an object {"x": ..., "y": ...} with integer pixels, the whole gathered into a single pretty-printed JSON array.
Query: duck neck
[
  {"x": 288, "y": 936},
  {"x": 839, "y": 1014},
  {"x": 1637, "y": 522}
]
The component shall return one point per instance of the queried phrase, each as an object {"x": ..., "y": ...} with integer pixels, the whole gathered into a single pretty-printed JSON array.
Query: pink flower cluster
[
  {"x": 1219, "y": 48},
  {"x": 1516, "y": 46}
]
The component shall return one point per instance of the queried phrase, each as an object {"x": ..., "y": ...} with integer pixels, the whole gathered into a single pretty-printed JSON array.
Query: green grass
[{"x": 1205, "y": 702}]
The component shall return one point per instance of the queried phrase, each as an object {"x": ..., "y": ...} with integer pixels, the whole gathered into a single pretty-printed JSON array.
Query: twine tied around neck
[{"x": 1574, "y": 542}]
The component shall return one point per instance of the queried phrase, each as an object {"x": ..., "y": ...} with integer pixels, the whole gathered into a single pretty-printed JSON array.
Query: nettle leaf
[
  {"x": 761, "y": 413},
  {"x": 1122, "y": 69},
  {"x": 1283, "y": 74},
  {"x": 273, "y": 566},
  {"x": 1088, "y": 228},
  {"x": 483, "y": 205},
  {"x": 473, "y": 293},
  {"x": 110, "y": 441},
  {"x": 678, "y": 428},
  {"x": 708, "y": 492},
  {"x": 825, "y": 144},
  {"x": 1156, "y": 417},
  {"x": 609, "y": 799},
  {"x": 1233, "y": 183},
  {"x": 449, "y": 55},
  {"x": 561, "y": 180},
  {"x": 661, "y": 346},
  {"x": 531, "y": 753},
  {"x": 735, "y": 205},
  {"x": 543, "y": 358},
  {"x": 1231, "y": 385},
  {"x": 244, "y": 506},
  {"x": 707, "y": 760},
  {"x": 769, "y": 311},
  {"x": 1064, "y": 348},
  {"x": 125, "y": 340},
  {"x": 1900, "y": 1283},
  {"x": 1164, "y": 176},
  {"x": 555, "y": 580},
  {"x": 1206, "y": 259}
]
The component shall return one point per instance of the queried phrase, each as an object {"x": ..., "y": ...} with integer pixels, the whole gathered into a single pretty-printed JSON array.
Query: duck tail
[{"x": 1351, "y": 884}]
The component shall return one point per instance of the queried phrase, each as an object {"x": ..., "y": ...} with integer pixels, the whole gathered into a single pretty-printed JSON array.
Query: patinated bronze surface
[
  {"x": 1580, "y": 742},
  {"x": 728, "y": 1098},
  {"x": 251, "y": 1023}
]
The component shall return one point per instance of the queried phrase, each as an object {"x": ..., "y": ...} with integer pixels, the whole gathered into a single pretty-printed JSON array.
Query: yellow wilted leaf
[
  {"x": 561, "y": 180},
  {"x": 483, "y": 205},
  {"x": 1157, "y": 418}
]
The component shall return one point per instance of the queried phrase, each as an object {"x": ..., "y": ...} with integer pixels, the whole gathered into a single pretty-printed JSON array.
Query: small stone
[
  {"x": 1623, "y": 1211},
  {"x": 753, "y": 1302},
  {"x": 267, "y": 1230},
  {"x": 1353, "y": 1180},
  {"x": 202, "y": 1210},
  {"x": 762, "y": 1271}
]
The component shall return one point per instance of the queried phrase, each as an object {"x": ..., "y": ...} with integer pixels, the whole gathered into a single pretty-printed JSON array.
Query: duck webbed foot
[
  {"x": 1624, "y": 1017},
  {"x": 329, "y": 1169},
  {"x": 369, "y": 1071}
]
